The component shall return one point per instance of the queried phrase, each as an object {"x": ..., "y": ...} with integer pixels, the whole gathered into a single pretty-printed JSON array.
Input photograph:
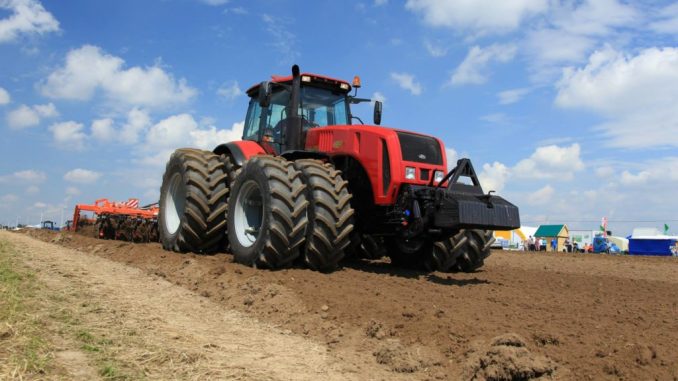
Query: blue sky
[{"x": 567, "y": 108}]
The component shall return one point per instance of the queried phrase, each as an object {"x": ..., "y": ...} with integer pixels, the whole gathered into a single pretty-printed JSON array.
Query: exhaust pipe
[{"x": 293, "y": 127}]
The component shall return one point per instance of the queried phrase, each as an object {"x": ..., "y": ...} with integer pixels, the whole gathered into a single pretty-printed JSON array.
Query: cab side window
[{"x": 252, "y": 119}]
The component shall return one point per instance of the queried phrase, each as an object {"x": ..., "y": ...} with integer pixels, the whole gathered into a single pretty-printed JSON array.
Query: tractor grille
[
  {"x": 420, "y": 149},
  {"x": 325, "y": 141}
]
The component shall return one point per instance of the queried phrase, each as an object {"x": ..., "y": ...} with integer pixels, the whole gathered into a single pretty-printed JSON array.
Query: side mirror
[
  {"x": 377, "y": 112},
  {"x": 264, "y": 94}
]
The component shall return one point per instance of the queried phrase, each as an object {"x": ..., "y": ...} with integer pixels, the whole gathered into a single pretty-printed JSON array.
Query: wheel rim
[
  {"x": 249, "y": 214},
  {"x": 175, "y": 203}
]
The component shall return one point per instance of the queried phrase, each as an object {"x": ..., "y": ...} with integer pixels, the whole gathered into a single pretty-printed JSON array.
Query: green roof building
[{"x": 558, "y": 232}]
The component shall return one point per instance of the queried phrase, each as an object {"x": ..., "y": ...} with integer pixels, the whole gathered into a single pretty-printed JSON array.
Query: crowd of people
[{"x": 540, "y": 244}]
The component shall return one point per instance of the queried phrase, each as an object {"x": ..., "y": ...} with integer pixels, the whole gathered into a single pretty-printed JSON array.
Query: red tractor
[{"x": 306, "y": 184}]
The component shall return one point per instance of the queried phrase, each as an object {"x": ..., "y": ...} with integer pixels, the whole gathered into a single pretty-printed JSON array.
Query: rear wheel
[
  {"x": 477, "y": 249},
  {"x": 230, "y": 167},
  {"x": 193, "y": 202},
  {"x": 329, "y": 212},
  {"x": 267, "y": 218},
  {"x": 231, "y": 170}
]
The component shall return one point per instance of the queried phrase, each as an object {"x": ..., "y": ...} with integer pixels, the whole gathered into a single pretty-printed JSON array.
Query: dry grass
[
  {"x": 24, "y": 353},
  {"x": 37, "y": 322}
]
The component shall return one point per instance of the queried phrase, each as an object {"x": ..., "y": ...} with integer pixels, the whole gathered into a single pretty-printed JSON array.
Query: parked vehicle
[{"x": 49, "y": 225}]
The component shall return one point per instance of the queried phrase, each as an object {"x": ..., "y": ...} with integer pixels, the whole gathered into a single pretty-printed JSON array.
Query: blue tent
[{"x": 651, "y": 246}]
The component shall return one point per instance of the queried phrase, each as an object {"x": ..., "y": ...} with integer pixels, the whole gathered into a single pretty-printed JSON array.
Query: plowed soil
[{"x": 522, "y": 316}]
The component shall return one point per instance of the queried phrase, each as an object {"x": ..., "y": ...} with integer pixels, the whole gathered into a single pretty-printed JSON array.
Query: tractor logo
[{"x": 422, "y": 156}]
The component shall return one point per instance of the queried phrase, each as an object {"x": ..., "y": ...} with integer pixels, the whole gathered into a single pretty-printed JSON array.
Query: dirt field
[{"x": 523, "y": 316}]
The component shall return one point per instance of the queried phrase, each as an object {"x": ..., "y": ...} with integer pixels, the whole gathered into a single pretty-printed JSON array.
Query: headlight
[
  {"x": 410, "y": 173},
  {"x": 438, "y": 176}
]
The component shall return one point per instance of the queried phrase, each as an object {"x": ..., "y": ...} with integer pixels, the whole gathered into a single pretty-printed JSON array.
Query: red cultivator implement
[{"x": 124, "y": 221}]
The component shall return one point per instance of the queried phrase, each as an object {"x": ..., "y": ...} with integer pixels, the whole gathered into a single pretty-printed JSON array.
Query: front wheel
[
  {"x": 446, "y": 253},
  {"x": 477, "y": 249}
]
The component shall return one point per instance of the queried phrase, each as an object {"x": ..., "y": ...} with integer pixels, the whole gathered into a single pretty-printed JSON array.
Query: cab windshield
[
  {"x": 323, "y": 107},
  {"x": 317, "y": 107}
]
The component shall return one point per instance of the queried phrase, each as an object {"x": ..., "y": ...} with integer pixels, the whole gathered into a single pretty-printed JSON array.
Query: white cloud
[
  {"x": 495, "y": 118},
  {"x": 604, "y": 172},
  {"x": 593, "y": 17},
  {"x": 483, "y": 16},
  {"x": 82, "y": 176},
  {"x": 377, "y": 96},
  {"x": 138, "y": 121},
  {"x": 494, "y": 176},
  {"x": 211, "y": 137},
  {"x": 380, "y": 2},
  {"x": 471, "y": 70},
  {"x": 39, "y": 205},
  {"x": 573, "y": 29},
  {"x": 28, "y": 17},
  {"x": 30, "y": 116},
  {"x": 407, "y": 82},
  {"x": 183, "y": 131},
  {"x": 668, "y": 20},
  {"x": 549, "y": 46},
  {"x": 69, "y": 135},
  {"x": 172, "y": 132},
  {"x": 627, "y": 178},
  {"x": 637, "y": 94},
  {"x": 46, "y": 110},
  {"x": 229, "y": 91},
  {"x": 72, "y": 191},
  {"x": 283, "y": 41},
  {"x": 102, "y": 129},
  {"x": 508, "y": 97},
  {"x": 238, "y": 11},
  {"x": 22, "y": 117},
  {"x": 9, "y": 199},
  {"x": 541, "y": 196},
  {"x": 452, "y": 157},
  {"x": 29, "y": 176},
  {"x": 88, "y": 69},
  {"x": 655, "y": 173},
  {"x": 551, "y": 162},
  {"x": 435, "y": 50},
  {"x": 548, "y": 162},
  {"x": 4, "y": 97},
  {"x": 33, "y": 189}
]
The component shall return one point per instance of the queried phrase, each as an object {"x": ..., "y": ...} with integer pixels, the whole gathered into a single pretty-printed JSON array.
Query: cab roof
[{"x": 315, "y": 78}]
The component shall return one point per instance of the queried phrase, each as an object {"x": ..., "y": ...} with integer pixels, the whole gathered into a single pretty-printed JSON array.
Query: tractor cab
[{"x": 281, "y": 111}]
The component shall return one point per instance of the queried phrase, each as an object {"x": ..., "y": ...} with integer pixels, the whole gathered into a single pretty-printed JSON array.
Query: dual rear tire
[
  {"x": 267, "y": 219},
  {"x": 282, "y": 211},
  {"x": 270, "y": 212}
]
